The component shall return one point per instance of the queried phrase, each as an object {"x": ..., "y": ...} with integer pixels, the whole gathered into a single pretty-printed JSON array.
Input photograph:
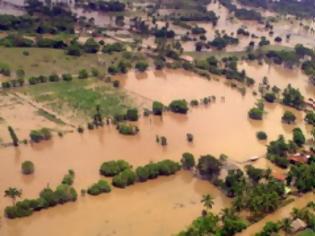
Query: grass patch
[
  {"x": 307, "y": 232},
  {"x": 45, "y": 61},
  {"x": 50, "y": 117},
  {"x": 80, "y": 97}
]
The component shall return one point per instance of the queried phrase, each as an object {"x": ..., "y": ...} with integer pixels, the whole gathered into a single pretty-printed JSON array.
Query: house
[
  {"x": 297, "y": 225},
  {"x": 279, "y": 176},
  {"x": 299, "y": 158}
]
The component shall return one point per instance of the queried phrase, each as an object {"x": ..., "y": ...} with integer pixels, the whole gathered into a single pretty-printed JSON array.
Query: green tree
[
  {"x": 27, "y": 167},
  {"x": 13, "y": 193},
  {"x": 207, "y": 201},
  {"x": 288, "y": 117},
  {"x": 142, "y": 66},
  {"x": 298, "y": 137},
  {"x": 188, "y": 160}
]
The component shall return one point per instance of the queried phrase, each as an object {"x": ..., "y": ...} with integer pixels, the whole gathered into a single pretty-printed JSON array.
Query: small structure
[
  {"x": 297, "y": 225},
  {"x": 279, "y": 176},
  {"x": 299, "y": 158}
]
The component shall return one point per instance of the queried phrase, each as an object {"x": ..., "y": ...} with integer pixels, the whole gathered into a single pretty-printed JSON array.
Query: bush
[
  {"x": 188, "y": 160},
  {"x": 256, "y": 113},
  {"x": 40, "y": 135},
  {"x": 101, "y": 186},
  {"x": 67, "y": 77},
  {"x": 270, "y": 97},
  {"x": 132, "y": 114},
  {"x": 288, "y": 117},
  {"x": 261, "y": 135},
  {"x": 83, "y": 74},
  {"x": 112, "y": 168},
  {"x": 143, "y": 173},
  {"x": 68, "y": 178},
  {"x": 157, "y": 108},
  {"x": 27, "y": 167},
  {"x": 179, "y": 106},
  {"x": 142, "y": 66},
  {"x": 310, "y": 118},
  {"x": 127, "y": 129},
  {"x": 124, "y": 178}
]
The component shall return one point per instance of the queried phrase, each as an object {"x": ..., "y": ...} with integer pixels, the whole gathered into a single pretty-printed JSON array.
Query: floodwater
[{"x": 221, "y": 127}]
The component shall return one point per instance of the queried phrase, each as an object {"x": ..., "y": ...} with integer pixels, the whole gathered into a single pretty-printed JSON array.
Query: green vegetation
[
  {"x": 179, "y": 106},
  {"x": 298, "y": 137},
  {"x": 310, "y": 118},
  {"x": 112, "y": 168},
  {"x": 68, "y": 178},
  {"x": 261, "y": 135},
  {"x": 187, "y": 161},
  {"x": 81, "y": 97},
  {"x": 27, "y": 167},
  {"x": 124, "y": 178},
  {"x": 157, "y": 108},
  {"x": 40, "y": 135},
  {"x": 127, "y": 129},
  {"x": 100, "y": 187},
  {"x": 292, "y": 97},
  {"x": 288, "y": 117},
  {"x": 257, "y": 112},
  {"x": 47, "y": 198}
]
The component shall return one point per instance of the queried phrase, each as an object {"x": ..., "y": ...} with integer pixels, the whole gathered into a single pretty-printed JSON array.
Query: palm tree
[
  {"x": 13, "y": 193},
  {"x": 207, "y": 201}
]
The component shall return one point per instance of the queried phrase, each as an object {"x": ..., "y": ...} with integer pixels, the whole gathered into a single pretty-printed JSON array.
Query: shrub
[
  {"x": 112, "y": 168},
  {"x": 68, "y": 178},
  {"x": 124, "y": 178},
  {"x": 40, "y": 135},
  {"x": 188, "y": 160},
  {"x": 132, "y": 114},
  {"x": 256, "y": 113},
  {"x": 67, "y": 77},
  {"x": 127, "y": 129},
  {"x": 168, "y": 167},
  {"x": 143, "y": 173},
  {"x": 142, "y": 66},
  {"x": 83, "y": 74},
  {"x": 310, "y": 118},
  {"x": 288, "y": 117},
  {"x": 157, "y": 108},
  {"x": 101, "y": 186},
  {"x": 270, "y": 97},
  {"x": 179, "y": 106},
  {"x": 27, "y": 167},
  {"x": 261, "y": 135}
]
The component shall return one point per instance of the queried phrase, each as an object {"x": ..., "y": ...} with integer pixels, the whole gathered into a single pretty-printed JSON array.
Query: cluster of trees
[
  {"x": 208, "y": 16},
  {"x": 101, "y": 186},
  {"x": 123, "y": 174},
  {"x": 288, "y": 117},
  {"x": 302, "y": 177},
  {"x": 144, "y": 173},
  {"x": 112, "y": 168},
  {"x": 292, "y": 97},
  {"x": 105, "y": 6},
  {"x": 303, "y": 8},
  {"x": 47, "y": 198},
  {"x": 220, "y": 42},
  {"x": 40, "y": 135},
  {"x": 164, "y": 33}
]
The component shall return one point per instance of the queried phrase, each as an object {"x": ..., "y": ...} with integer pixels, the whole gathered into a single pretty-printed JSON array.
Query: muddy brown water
[{"x": 149, "y": 208}]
